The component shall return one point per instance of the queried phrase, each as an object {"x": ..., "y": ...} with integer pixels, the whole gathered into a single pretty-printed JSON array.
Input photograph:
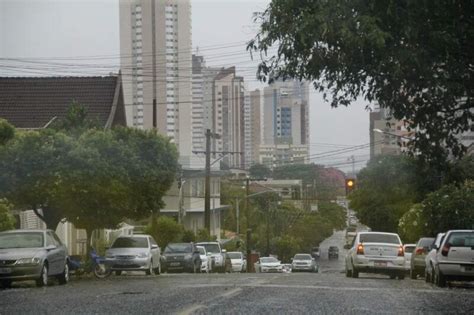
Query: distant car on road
[
  {"x": 32, "y": 255},
  {"x": 303, "y": 262},
  {"x": 237, "y": 261},
  {"x": 181, "y": 257},
  {"x": 134, "y": 253},
  {"x": 315, "y": 253},
  {"x": 333, "y": 252},
  {"x": 455, "y": 257},
  {"x": 268, "y": 264},
  {"x": 217, "y": 255},
  {"x": 376, "y": 252},
  {"x": 431, "y": 257},
  {"x": 408, "y": 249},
  {"x": 417, "y": 261}
]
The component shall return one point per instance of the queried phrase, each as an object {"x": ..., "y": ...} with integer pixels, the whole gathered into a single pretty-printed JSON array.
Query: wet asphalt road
[{"x": 327, "y": 292}]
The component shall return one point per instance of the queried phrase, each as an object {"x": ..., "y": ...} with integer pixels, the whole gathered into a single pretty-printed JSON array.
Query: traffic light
[{"x": 350, "y": 185}]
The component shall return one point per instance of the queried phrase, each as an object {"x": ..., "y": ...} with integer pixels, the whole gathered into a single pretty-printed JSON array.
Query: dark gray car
[
  {"x": 32, "y": 255},
  {"x": 181, "y": 257}
]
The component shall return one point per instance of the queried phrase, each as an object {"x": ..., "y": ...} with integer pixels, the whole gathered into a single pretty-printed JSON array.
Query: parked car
[
  {"x": 408, "y": 249},
  {"x": 455, "y": 257},
  {"x": 431, "y": 257},
  {"x": 333, "y": 252},
  {"x": 417, "y": 261},
  {"x": 206, "y": 261},
  {"x": 134, "y": 253},
  {"x": 315, "y": 253},
  {"x": 268, "y": 264},
  {"x": 181, "y": 257},
  {"x": 303, "y": 262},
  {"x": 217, "y": 255},
  {"x": 237, "y": 261},
  {"x": 375, "y": 252},
  {"x": 32, "y": 255}
]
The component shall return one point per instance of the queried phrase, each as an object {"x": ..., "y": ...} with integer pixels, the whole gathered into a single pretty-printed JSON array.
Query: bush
[
  {"x": 165, "y": 230},
  {"x": 412, "y": 225},
  {"x": 7, "y": 220},
  {"x": 189, "y": 236}
]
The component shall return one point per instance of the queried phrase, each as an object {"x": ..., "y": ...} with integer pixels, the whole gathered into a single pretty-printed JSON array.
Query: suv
[
  {"x": 182, "y": 257},
  {"x": 417, "y": 261},
  {"x": 134, "y": 253},
  {"x": 333, "y": 252},
  {"x": 375, "y": 252},
  {"x": 217, "y": 254},
  {"x": 455, "y": 257}
]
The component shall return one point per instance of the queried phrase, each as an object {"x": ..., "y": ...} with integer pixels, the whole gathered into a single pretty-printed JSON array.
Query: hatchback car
[
  {"x": 417, "y": 261},
  {"x": 32, "y": 255},
  {"x": 455, "y": 257},
  {"x": 303, "y": 262},
  {"x": 408, "y": 249},
  {"x": 134, "y": 253},
  {"x": 376, "y": 252},
  {"x": 431, "y": 257},
  {"x": 237, "y": 261},
  {"x": 179, "y": 257}
]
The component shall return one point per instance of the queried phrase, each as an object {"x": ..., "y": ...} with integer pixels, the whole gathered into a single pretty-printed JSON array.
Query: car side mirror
[
  {"x": 154, "y": 246},
  {"x": 50, "y": 247},
  {"x": 347, "y": 246}
]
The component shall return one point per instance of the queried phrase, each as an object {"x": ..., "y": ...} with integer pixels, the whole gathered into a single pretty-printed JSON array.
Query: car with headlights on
[
  {"x": 455, "y": 258},
  {"x": 303, "y": 262},
  {"x": 375, "y": 252},
  {"x": 134, "y": 253},
  {"x": 417, "y": 261},
  {"x": 237, "y": 262},
  {"x": 268, "y": 264},
  {"x": 217, "y": 255},
  {"x": 181, "y": 257},
  {"x": 32, "y": 255}
]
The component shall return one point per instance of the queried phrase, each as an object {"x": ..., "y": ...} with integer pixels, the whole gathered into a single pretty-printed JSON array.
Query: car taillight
[
  {"x": 445, "y": 249},
  {"x": 420, "y": 251},
  {"x": 401, "y": 251},
  {"x": 360, "y": 249}
]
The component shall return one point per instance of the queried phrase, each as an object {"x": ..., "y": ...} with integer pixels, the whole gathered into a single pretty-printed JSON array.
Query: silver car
[
  {"x": 134, "y": 253},
  {"x": 303, "y": 262},
  {"x": 32, "y": 255},
  {"x": 431, "y": 257}
]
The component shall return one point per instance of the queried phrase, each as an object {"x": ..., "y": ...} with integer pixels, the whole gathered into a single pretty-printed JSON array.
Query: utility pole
[
  {"x": 237, "y": 214},
  {"x": 207, "y": 195}
]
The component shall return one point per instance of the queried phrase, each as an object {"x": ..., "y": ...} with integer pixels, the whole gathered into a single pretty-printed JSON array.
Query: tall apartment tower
[
  {"x": 252, "y": 127},
  {"x": 286, "y": 123},
  {"x": 228, "y": 116},
  {"x": 155, "y": 47}
]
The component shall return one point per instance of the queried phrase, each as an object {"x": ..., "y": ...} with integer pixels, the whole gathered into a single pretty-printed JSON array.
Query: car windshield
[
  {"x": 21, "y": 240},
  {"x": 333, "y": 248},
  {"x": 302, "y": 257},
  {"x": 211, "y": 248},
  {"x": 379, "y": 238},
  {"x": 235, "y": 255},
  {"x": 178, "y": 248},
  {"x": 409, "y": 249},
  {"x": 201, "y": 250},
  {"x": 268, "y": 260},
  {"x": 130, "y": 242},
  {"x": 461, "y": 239}
]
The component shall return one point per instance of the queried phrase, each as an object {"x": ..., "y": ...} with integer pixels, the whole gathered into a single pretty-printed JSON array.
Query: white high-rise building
[{"x": 155, "y": 47}]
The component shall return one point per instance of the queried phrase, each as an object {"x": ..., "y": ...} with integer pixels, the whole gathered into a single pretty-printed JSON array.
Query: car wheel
[
  {"x": 348, "y": 273},
  {"x": 43, "y": 278},
  {"x": 413, "y": 274},
  {"x": 158, "y": 269},
  {"x": 5, "y": 283},
  {"x": 440, "y": 279},
  {"x": 355, "y": 272},
  {"x": 63, "y": 278},
  {"x": 149, "y": 272},
  {"x": 427, "y": 277}
]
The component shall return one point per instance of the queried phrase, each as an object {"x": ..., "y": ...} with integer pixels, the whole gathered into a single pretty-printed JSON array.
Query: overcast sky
[{"x": 81, "y": 28}]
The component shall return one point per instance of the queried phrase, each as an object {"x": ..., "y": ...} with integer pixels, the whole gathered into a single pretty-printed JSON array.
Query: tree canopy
[{"x": 410, "y": 56}]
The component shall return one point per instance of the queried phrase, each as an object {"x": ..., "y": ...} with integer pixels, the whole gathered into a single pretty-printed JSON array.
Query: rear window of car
[
  {"x": 461, "y": 239},
  {"x": 379, "y": 238},
  {"x": 425, "y": 242},
  {"x": 409, "y": 249},
  {"x": 131, "y": 242}
]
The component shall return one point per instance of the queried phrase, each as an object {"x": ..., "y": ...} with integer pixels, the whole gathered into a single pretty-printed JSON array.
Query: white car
[
  {"x": 408, "y": 249},
  {"x": 375, "y": 252},
  {"x": 455, "y": 257},
  {"x": 268, "y": 264},
  {"x": 237, "y": 261},
  {"x": 431, "y": 257},
  {"x": 206, "y": 261}
]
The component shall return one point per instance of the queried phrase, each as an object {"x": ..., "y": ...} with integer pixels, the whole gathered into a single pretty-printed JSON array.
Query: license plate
[
  {"x": 380, "y": 264},
  {"x": 125, "y": 262},
  {"x": 174, "y": 264},
  {"x": 5, "y": 270}
]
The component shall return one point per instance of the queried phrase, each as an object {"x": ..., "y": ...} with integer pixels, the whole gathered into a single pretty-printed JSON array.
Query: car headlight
[
  {"x": 28, "y": 261},
  {"x": 142, "y": 255}
]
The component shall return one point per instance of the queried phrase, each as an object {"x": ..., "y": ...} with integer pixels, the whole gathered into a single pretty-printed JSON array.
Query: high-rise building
[
  {"x": 252, "y": 128},
  {"x": 155, "y": 47},
  {"x": 286, "y": 123}
]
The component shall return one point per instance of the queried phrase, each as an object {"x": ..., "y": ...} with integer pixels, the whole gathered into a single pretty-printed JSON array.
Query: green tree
[
  {"x": 410, "y": 56},
  {"x": 260, "y": 171},
  {"x": 7, "y": 131},
  {"x": 387, "y": 188},
  {"x": 449, "y": 208},
  {"x": 165, "y": 230},
  {"x": 188, "y": 236},
  {"x": 412, "y": 225},
  {"x": 77, "y": 120},
  {"x": 7, "y": 221},
  {"x": 286, "y": 247}
]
